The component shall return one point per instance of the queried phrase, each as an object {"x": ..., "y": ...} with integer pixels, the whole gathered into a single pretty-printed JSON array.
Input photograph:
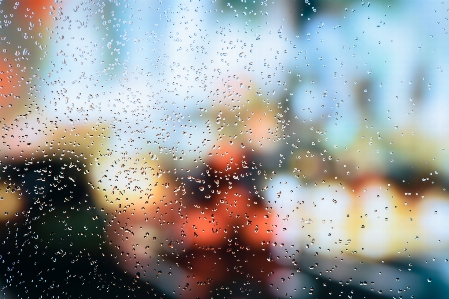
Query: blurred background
[{"x": 224, "y": 149}]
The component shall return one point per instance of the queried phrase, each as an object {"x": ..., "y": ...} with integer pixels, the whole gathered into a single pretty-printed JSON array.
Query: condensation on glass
[{"x": 214, "y": 149}]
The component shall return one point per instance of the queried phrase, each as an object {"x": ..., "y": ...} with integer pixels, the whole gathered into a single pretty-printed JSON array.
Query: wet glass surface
[{"x": 235, "y": 149}]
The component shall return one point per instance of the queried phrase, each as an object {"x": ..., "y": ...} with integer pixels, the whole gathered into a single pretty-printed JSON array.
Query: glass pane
[{"x": 214, "y": 149}]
